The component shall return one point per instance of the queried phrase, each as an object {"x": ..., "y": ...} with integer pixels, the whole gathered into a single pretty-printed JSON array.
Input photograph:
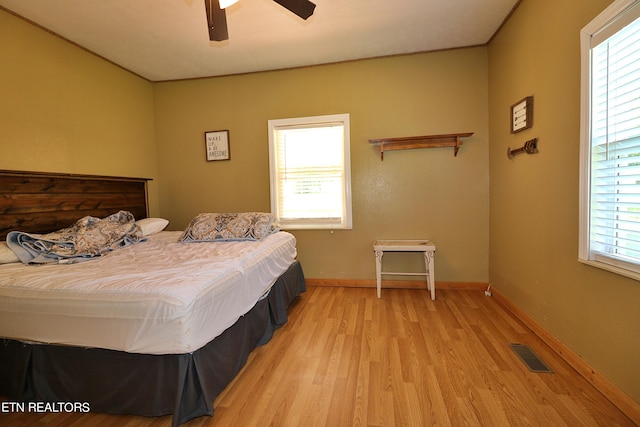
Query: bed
[{"x": 191, "y": 313}]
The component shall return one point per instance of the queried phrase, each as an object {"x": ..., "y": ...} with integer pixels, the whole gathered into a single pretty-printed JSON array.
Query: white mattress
[{"x": 156, "y": 297}]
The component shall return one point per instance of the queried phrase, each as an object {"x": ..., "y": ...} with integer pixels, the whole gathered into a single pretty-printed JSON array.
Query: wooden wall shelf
[{"x": 427, "y": 141}]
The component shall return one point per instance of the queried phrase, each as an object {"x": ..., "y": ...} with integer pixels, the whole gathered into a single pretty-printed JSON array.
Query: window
[
  {"x": 310, "y": 173},
  {"x": 610, "y": 140}
]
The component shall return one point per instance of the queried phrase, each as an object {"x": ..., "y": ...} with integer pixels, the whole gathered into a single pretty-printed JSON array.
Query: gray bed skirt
[{"x": 116, "y": 382}]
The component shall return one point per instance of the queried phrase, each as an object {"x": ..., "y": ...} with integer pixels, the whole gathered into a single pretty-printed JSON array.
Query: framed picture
[
  {"x": 522, "y": 115},
  {"x": 217, "y": 145}
]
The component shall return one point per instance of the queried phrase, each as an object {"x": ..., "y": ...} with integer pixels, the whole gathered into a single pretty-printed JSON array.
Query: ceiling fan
[{"x": 217, "y": 18}]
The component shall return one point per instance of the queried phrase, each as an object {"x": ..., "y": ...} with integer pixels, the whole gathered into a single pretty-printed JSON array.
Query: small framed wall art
[
  {"x": 522, "y": 115},
  {"x": 217, "y": 145}
]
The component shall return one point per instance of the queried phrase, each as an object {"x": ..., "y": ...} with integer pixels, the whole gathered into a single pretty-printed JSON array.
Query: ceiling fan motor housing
[{"x": 217, "y": 17}]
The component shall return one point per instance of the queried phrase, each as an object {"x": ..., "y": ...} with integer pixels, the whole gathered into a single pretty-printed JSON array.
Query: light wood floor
[{"x": 347, "y": 358}]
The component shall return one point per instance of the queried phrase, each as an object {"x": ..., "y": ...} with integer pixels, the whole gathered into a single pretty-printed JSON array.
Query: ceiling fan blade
[
  {"x": 216, "y": 21},
  {"x": 302, "y": 8}
]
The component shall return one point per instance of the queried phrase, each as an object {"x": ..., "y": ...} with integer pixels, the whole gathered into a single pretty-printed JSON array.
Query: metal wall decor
[{"x": 529, "y": 147}]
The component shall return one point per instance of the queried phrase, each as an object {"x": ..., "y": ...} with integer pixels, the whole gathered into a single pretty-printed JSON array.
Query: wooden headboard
[{"x": 39, "y": 202}]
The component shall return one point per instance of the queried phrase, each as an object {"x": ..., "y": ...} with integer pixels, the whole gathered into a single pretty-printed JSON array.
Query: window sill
[
  {"x": 316, "y": 227},
  {"x": 612, "y": 268}
]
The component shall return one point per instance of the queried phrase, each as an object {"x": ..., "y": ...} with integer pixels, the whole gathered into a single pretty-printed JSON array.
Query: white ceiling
[{"x": 168, "y": 39}]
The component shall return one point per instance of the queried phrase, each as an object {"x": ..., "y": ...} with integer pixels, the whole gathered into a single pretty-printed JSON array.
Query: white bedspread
[{"x": 157, "y": 297}]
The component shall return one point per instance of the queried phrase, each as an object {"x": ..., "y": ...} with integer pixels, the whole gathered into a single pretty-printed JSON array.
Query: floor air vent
[{"x": 533, "y": 362}]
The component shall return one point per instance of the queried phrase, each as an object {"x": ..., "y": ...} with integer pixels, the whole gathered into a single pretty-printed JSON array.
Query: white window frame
[
  {"x": 602, "y": 27},
  {"x": 345, "y": 220}
]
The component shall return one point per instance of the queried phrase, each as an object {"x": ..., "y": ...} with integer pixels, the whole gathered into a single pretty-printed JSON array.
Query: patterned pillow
[{"x": 208, "y": 227}]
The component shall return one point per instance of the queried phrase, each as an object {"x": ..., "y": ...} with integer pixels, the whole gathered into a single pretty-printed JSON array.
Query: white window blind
[
  {"x": 310, "y": 174},
  {"x": 614, "y": 144}
]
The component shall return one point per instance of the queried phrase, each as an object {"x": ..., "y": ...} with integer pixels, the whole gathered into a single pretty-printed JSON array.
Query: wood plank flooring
[{"x": 347, "y": 358}]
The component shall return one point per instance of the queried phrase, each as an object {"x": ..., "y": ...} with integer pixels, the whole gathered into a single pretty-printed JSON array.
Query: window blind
[
  {"x": 310, "y": 173},
  {"x": 614, "y": 226}
]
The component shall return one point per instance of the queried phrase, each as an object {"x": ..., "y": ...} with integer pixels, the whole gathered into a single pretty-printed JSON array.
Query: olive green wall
[
  {"x": 63, "y": 109},
  {"x": 426, "y": 193},
  {"x": 534, "y": 198}
]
